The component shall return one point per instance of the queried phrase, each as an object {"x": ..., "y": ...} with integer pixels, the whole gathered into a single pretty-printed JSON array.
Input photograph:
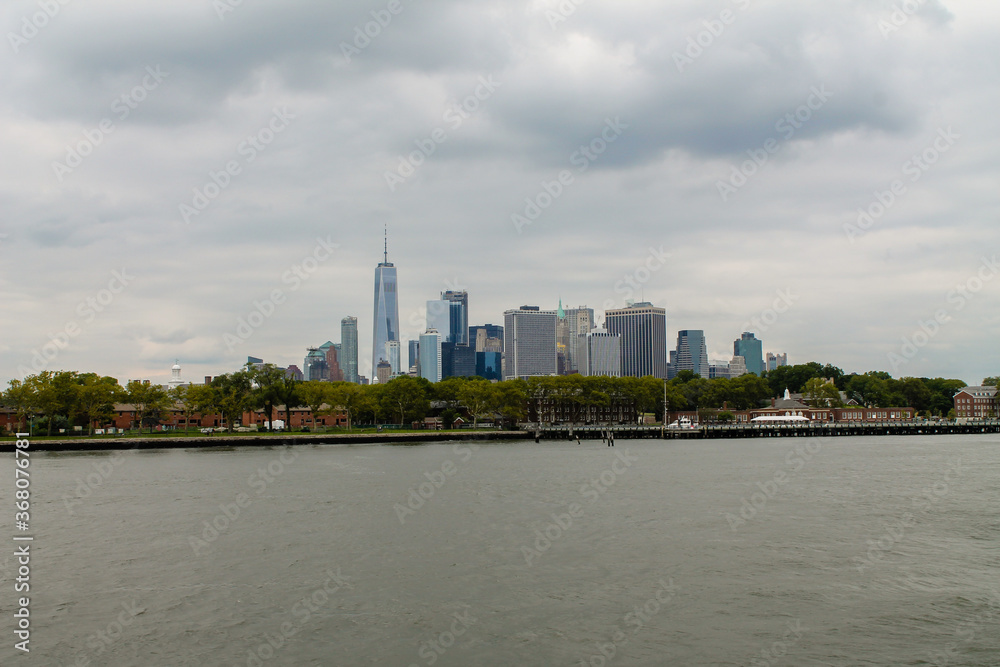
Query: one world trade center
[{"x": 386, "y": 323}]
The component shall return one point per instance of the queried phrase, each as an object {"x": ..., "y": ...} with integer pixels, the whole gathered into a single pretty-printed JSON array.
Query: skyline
[{"x": 175, "y": 170}]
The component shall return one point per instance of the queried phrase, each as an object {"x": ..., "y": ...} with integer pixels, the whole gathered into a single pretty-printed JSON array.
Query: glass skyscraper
[
  {"x": 751, "y": 349},
  {"x": 349, "y": 348},
  {"x": 691, "y": 353},
  {"x": 386, "y": 319},
  {"x": 458, "y": 332}
]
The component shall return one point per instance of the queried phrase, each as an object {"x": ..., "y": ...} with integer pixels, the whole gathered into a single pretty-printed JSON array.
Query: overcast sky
[{"x": 739, "y": 137}]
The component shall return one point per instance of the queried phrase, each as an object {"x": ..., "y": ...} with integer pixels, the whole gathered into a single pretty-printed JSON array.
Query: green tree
[
  {"x": 348, "y": 397},
  {"x": 406, "y": 397},
  {"x": 819, "y": 393},
  {"x": 233, "y": 396},
  {"x": 21, "y": 397},
  {"x": 147, "y": 399},
  {"x": 512, "y": 398},
  {"x": 97, "y": 397},
  {"x": 480, "y": 397},
  {"x": 267, "y": 381},
  {"x": 316, "y": 395},
  {"x": 991, "y": 382}
]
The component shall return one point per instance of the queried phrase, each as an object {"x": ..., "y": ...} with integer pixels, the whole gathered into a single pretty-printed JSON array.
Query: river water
[{"x": 847, "y": 551}]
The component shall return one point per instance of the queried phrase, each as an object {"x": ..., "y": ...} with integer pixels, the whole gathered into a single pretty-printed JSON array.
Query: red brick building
[{"x": 976, "y": 402}]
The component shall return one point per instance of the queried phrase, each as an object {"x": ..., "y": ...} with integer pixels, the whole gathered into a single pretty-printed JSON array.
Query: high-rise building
[
  {"x": 749, "y": 347},
  {"x": 392, "y": 356},
  {"x": 439, "y": 318},
  {"x": 294, "y": 373},
  {"x": 603, "y": 353},
  {"x": 483, "y": 332},
  {"x": 430, "y": 355},
  {"x": 314, "y": 366},
  {"x": 386, "y": 318},
  {"x": 457, "y": 360},
  {"x": 643, "y": 331},
  {"x": 776, "y": 360},
  {"x": 334, "y": 372},
  {"x": 691, "y": 353},
  {"x": 530, "y": 342},
  {"x": 459, "y": 307},
  {"x": 383, "y": 371},
  {"x": 349, "y": 348},
  {"x": 580, "y": 322},
  {"x": 488, "y": 365},
  {"x": 412, "y": 348}
]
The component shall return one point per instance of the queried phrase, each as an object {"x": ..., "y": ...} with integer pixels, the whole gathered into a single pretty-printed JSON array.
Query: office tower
[
  {"x": 392, "y": 356},
  {"x": 459, "y": 305},
  {"x": 749, "y": 347},
  {"x": 691, "y": 353},
  {"x": 255, "y": 362},
  {"x": 294, "y": 373},
  {"x": 488, "y": 365},
  {"x": 580, "y": 322},
  {"x": 314, "y": 366},
  {"x": 333, "y": 370},
  {"x": 737, "y": 366},
  {"x": 413, "y": 347},
  {"x": 776, "y": 360},
  {"x": 490, "y": 331},
  {"x": 643, "y": 331},
  {"x": 383, "y": 371},
  {"x": 603, "y": 353},
  {"x": 386, "y": 318},
  {"x": 349, "y": 348},
  {"x": 430, "y": 355},
  {"x": 457, "y": 360},
  {"x": 439, "y": 318},
  {"x": 530, "y": 342}
]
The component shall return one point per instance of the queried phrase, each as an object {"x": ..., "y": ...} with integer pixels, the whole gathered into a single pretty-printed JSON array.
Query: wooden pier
[{"x": 810, "y": 430}]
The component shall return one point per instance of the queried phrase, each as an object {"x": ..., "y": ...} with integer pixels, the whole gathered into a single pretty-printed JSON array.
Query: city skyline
[{"x": 165, "y": 202}]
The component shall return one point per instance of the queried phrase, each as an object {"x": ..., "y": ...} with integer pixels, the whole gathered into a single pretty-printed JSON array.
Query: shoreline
[{"x": 248, "y": 440}]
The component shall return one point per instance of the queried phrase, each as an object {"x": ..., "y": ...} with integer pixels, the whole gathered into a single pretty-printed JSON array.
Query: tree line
[{"x": 67, "y": 399}]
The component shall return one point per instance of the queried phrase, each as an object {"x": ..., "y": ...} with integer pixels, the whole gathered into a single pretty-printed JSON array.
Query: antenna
[{"x": 386, "y": 252}]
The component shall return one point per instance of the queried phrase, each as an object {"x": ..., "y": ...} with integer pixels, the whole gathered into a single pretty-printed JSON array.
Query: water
[{"x": 861, "y": 551}]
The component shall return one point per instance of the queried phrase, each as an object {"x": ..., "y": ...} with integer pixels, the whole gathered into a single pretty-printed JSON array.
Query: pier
[{"x": 808, "y": 430}]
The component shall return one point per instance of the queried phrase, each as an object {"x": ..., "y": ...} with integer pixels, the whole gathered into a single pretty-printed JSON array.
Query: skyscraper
[
  {"x": 386, "y": 318},
  {"x": 750, "y": 348},
  {"x": 439, "y": 318},
  {"x": 643, "y": 331},
  {"x": 430, "y": 355},
  {"x": 530, "y": 342},
  {"x": 392, "y": 355},
  {"x": 479, "y": 334},
  {"x": 579, "y": 322},
  {"x": 459, "y": 308},
  {"x": 349, "y": 348},
  {"x": 603, "y": 353},
  {"x": 691, "y": 353},
  {"x": 412, "y": 347},
  {"x": 776, "y": 360}
]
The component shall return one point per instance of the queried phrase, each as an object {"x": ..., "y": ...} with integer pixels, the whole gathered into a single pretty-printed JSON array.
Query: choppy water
[{"x": 867, "y": 551}]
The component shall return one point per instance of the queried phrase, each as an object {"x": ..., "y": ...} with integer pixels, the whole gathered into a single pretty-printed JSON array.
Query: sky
[{"x": 208, "y": 180}]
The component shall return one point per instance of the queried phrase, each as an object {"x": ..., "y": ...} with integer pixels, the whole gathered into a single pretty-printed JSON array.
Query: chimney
[
  {"x": 208, "y": 379},
  {"x": 772, "y": 402}
]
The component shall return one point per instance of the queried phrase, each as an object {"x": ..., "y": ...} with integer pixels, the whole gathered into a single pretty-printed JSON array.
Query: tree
[
  {"x": 232, "y": 394},
  {"x": 266, "y": 381},
  {"x": 97, "y": 396},
  {"x": 147, "y": 399},
  {"x": 22, "y": 398},
  {"x": 406, "y": 396},
  {"x": 287, "y": 393},
  {"x": 315, "y": 394},
  {"x": 480, "y": 397},
  {"x": 513, "y": 395},
  {"x": 991, "y": 382},
  {"x": 818, "y": 393},
  {"x": 348, "y": 397}
]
